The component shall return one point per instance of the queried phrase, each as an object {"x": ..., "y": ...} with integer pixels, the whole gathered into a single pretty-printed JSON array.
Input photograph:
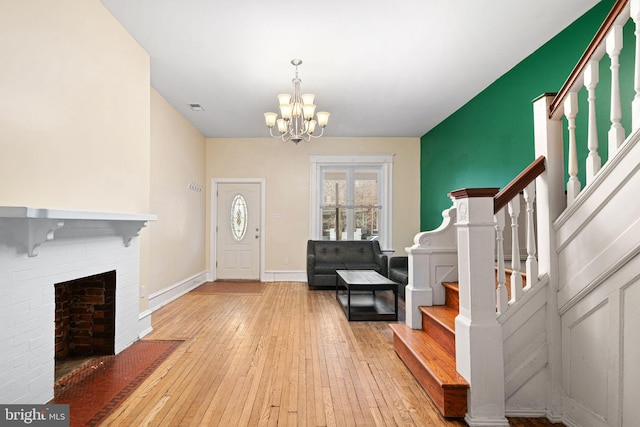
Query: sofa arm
[
  {"x": 384, "y": 266},
  {"x": 399, "y": 261},
  {"x": 311, "y": 262},
  {"x": 380, "y": 259}
]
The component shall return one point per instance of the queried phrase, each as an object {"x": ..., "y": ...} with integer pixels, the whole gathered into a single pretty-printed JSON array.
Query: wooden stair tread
[
  {"x": 451, "y": 285},
  {"x": 443, "y": 314},
  {"x": 432, "y": 356},
  {"x": 433, "y": 367}
]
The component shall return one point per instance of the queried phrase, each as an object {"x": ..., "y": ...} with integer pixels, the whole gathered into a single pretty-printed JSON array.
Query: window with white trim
[{"x": 351, "y": 197}]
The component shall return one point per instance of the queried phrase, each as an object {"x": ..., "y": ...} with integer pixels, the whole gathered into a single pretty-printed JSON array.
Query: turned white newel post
[
  {"x": 614, "y": 46},
  {"x": 550, "y": 202},
  {"x": 502, "y": 296},
  {"x": 432, "y": 259},
  {"x": 591, "y": 78},
  {"x": 570, "y": 111},
  {"x": 516, "y": 277},
  {"x": 532, "y": 262},
  {"x": 479, "y": 354}
]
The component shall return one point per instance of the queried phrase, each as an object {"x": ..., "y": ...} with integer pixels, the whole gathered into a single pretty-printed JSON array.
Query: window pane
[
  {"x": 366, "y": 220},
  {"x": 334, "y": 188},
  {"x": 366, "y": 187},
  {"x": 334, "y": 219}
]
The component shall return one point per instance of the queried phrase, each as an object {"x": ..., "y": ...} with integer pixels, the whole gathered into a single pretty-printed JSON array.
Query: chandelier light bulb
[
  {"x": 312, "y": 126},
  {"x": 270, "y": 119},
  {"x": 323, "y": 118},
  {"x": 284, "y": 98},
  {"x": 308, "y": 98},
  {"x": 286, "y": 111},
  {"x": 308, "y": 110},
  {"x": 282, "y": 126},
  {"x": 298, "y": 119}
]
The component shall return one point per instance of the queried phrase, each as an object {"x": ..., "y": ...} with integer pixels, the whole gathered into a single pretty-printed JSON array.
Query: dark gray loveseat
[
  {"x": 324, "y": 257},
  {"x": 399, "y": 272}
]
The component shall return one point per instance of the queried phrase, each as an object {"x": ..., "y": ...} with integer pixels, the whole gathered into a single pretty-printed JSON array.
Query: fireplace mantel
[{"x": 26, "y": 228}]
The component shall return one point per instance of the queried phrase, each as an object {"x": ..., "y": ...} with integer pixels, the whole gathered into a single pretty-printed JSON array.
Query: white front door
[{"x": 238, "y": 231}]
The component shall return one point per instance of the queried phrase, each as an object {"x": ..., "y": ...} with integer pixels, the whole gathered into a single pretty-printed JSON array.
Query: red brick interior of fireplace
[{"x": 85, "y": 316}]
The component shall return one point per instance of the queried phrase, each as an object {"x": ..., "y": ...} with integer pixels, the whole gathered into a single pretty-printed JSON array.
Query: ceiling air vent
[{"x": 196, "y": 107}]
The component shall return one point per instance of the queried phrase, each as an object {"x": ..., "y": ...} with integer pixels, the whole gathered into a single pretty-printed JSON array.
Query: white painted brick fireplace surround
[{"x": 42, "y": 247}]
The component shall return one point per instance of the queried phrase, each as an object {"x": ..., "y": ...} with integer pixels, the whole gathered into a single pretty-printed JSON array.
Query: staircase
[
  {"x": 430, "y": 354},
  {"x": 554, "y": 347}
]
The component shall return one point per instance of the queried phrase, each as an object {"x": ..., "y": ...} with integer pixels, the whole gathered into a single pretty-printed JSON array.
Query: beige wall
[
  {"x": 286, "y": 167},
  {"x": 177, "y": 238},
  {"x": 80, "y": 129},
  {"x": 74, "y": 111},
  {"x": 74, "y": 108}
]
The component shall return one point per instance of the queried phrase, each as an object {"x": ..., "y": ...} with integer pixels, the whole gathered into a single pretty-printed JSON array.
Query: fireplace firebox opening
[{"x": 84, "y": 320}]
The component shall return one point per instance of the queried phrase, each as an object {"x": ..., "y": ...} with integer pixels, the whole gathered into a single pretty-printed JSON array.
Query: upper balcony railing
[{"x": 586, "y": 76}]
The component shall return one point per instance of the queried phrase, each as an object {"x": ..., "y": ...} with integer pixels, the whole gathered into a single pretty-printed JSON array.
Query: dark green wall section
[{"x": 489, "y": 140}]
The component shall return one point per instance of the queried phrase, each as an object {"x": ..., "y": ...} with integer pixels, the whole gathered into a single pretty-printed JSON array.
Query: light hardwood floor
[{"x": 284, "y": 357}]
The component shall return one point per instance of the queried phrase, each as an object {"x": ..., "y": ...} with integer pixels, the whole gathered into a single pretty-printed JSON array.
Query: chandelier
[{"x": 297, "y": 122}]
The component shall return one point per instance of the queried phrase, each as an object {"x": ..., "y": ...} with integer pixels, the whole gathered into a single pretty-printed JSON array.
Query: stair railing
[
  {"x": 551, "y": 199},
  {"x": 585, "y": 76},
  {"x": 480, "y": 220},
  {"x": 507, "y": 202}
]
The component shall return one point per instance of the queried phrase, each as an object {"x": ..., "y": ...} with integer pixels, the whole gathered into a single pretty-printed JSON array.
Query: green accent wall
[{"x": 489, "y": 140}]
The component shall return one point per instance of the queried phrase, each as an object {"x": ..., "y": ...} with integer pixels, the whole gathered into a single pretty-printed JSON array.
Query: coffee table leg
[{"x": 395, "y": 293}]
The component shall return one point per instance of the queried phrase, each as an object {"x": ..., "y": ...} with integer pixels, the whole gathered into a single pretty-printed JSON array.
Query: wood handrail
[
  {"x": 468, "y": 193},
  {"x": 518, "y": 184},
  {"x": 597, "y": 40}
]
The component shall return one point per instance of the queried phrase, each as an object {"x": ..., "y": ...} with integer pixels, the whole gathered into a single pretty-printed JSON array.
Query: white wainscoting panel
[
  {"x": 631, "y": 353},
  {"x": 601, "y": 351}
]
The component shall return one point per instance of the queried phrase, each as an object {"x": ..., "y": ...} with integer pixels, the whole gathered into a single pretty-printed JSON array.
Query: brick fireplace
[
  {"x": 91, "y": 260},
  {"x": 85, "y": 316}
]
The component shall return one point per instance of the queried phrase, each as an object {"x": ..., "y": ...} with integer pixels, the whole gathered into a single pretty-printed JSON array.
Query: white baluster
[
  {"x": 591, "y": 78},
  {"x": 516, "y": 278},
  {"x": 532, "y": 261},
  {"x": 502, "y": 297},
  {"x": 635, "y": 105},
  {"x": 614, "y": 46},
  {"x": 570, "y": 111}
]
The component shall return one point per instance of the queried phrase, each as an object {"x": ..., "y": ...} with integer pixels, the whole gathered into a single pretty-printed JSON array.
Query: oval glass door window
[{"x": 238, "y": 216}]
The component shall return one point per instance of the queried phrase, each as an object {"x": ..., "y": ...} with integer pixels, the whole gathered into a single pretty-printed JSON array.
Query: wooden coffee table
[{"x": 365, "y": 306}]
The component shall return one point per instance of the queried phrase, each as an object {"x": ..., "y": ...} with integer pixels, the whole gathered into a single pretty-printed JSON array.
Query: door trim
[{"x": 213, "y": 221}]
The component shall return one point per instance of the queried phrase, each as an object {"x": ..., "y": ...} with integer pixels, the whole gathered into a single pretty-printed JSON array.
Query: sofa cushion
[
  {"x": 362, "y": 266},
  {"x": 358, "y": 252},
  {"x": 344, "y": 251},
  {"x": 329, "y": 267},
  {"x": 328, "y": 252}
]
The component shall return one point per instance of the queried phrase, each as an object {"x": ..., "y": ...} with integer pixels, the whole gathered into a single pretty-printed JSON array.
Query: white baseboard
[
  {"x": 285, "y": 276},
  {"x": 526, "y": 413},
  {"x": 144, "y": 324},
  {"x": 173, "y": 292}
]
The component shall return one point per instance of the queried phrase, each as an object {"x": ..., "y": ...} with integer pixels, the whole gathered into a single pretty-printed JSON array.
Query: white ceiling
[{"x": 380, "y": 67}]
